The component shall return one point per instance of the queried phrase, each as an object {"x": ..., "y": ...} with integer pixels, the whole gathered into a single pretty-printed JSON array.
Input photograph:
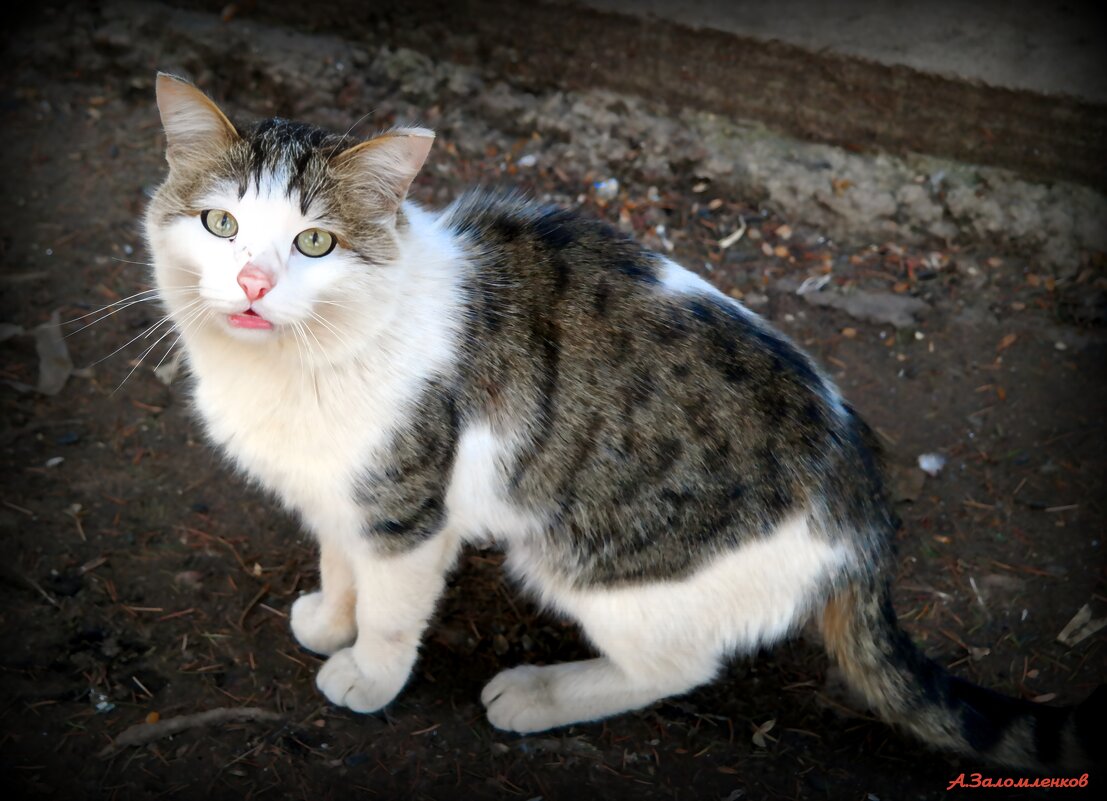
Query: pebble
[
  {"x": 932, "y": 463},
  {"x": 607, "y": 189}
]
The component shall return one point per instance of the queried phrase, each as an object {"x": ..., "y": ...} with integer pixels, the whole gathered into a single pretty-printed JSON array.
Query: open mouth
[{"x": 248, "y": 319}]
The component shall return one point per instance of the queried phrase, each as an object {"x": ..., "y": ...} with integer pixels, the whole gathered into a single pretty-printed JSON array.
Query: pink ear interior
[
  {"x": 390, "y": 161},
  {"x": 194, "y": 125}
]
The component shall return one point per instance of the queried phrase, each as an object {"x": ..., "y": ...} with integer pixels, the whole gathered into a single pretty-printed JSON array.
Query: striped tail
[{"x": 913, "y": 693}]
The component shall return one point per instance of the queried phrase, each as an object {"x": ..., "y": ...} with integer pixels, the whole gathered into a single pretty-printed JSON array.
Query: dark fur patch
[
  {"x": 637, "y": 270},
  {"x": 554, "y": 229},
  {"x": 406, "y": 500}
]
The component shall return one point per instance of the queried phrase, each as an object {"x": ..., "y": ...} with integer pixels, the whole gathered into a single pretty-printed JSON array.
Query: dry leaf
[
  {"x": 762, "y": 730},
  {"x": 1081, "y": 627},
  {"x": 54, "y": 364}
]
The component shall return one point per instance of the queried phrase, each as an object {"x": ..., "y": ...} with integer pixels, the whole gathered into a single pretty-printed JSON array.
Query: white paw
[
  {"x": 319, "y": 628},
  {"x": 362, "y": 688},
  {"x": 521, "y": 699}
]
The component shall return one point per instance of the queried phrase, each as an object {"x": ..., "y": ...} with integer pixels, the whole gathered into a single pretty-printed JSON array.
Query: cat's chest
[{"x": 308, "y": 441}]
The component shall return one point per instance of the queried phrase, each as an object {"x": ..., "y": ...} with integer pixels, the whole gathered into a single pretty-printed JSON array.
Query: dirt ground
[{"x": 140, "y": 579}]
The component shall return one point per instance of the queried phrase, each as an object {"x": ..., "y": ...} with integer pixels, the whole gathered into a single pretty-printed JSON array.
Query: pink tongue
[{"x": 249, "y": 320}]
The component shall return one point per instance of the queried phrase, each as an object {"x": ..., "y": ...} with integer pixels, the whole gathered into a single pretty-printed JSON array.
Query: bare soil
[{"x": 141, "y": 579}]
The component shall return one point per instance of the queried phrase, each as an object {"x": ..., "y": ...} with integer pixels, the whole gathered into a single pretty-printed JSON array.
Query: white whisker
[
  {"x": 333, "y": 330},
  {"x": 323, "y": 354},
  {"x": 299, "y": 353},
  {"x": 183, "y": 309},
  {"x": 139, "y": 336},
  {"x": 113, "y": 303},
  {"x": 125, "y": 261},
  {"x": 349, "y": 130},
  {"x": 125, "y": 303},
  {"x": 147, "y": 352}
]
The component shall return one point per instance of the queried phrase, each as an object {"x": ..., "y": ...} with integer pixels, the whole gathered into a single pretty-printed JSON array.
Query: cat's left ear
[{"x": 388, "y": 163}]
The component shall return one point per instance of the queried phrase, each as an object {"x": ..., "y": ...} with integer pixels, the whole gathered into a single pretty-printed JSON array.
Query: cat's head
[{"x": 279, "y": 232}]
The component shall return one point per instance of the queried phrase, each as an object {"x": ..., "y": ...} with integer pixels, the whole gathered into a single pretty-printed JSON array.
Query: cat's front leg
[
  {"x": 324, "y": 621},
  {"x": 396, "y": 595}
]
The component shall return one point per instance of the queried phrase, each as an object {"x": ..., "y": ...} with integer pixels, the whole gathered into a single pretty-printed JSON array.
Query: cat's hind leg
[
  {"x": 655, "y": 644},
  {"x": 666, "y": 637},
  {"x": 532, "y": 698}
]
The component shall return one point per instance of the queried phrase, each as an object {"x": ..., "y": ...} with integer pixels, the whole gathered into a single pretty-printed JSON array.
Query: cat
[{"x": 658, "y": 463}]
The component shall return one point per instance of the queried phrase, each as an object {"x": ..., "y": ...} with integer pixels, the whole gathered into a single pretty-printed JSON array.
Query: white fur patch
[
  {"x": 738, "y": 602},
  {"x": 477, "y": 500},
  {"x": 682, "y": 281}
]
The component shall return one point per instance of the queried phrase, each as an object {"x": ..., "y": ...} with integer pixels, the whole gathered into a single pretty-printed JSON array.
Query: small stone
[
  {"x": 877, "y": 307},
  {"x": 932, "y": 463},
  {"x": 353, "y": 760}
]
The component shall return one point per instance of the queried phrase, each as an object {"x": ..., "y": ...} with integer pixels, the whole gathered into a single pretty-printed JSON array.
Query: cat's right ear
[{"x": 195, "y": 128}]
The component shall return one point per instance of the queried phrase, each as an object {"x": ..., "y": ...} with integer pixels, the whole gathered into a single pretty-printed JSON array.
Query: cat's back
[
  {"x": 583, "y": 298},
  {"x": 642, "y": 399}
]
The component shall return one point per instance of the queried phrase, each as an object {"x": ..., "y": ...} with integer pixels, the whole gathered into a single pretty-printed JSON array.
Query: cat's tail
[{"x": 912, "y": 692}]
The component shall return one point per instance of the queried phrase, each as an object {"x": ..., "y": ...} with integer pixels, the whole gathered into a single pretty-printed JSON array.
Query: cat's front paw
[
  {"x": 318, "y": 627},
  {"x": 360, "y": 685},
  {"x": 521, "y": 700}
]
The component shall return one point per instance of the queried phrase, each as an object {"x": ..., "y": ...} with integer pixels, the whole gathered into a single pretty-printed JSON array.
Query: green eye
[
  {"x": 219, "y": 222},
  {"x": 315, "y": 242}
]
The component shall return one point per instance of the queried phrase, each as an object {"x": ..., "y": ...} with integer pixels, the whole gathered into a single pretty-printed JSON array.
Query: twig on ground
[
  {"x": 38, "y": 588},
  {"x": 144, "y": 733}
]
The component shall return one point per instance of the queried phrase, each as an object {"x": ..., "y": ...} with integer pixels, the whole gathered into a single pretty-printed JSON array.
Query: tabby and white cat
[{"x": 658, "y": 463}]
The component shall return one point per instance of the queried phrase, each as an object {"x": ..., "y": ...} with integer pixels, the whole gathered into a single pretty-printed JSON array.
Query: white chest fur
[{"x": 305, "y": 436}]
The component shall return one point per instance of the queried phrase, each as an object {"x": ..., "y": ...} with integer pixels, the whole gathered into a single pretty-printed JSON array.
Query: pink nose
[{"x": 254, "y": 282}]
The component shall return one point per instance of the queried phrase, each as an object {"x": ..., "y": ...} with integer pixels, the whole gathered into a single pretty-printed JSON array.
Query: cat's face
[{"x": 284, "y": 236}]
